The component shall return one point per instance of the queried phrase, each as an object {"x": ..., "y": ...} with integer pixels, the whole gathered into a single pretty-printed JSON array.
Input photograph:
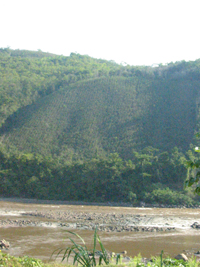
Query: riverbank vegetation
[
  {"x": 10, "y": 261},
  {"x": 151, "y": 176}
]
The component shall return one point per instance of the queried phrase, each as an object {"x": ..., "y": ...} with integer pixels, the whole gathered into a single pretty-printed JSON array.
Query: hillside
[
  {"x": 106, "y": 115},
  {"x": 98, "y": 116},
  {"x": 26, "y": 76},
  {"x": 79, "y": 128}
]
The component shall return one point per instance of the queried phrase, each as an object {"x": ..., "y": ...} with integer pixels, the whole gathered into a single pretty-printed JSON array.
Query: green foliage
[
  {"x": 82, "y": 255},
  {"x": 7, "y": 261},
  {"x": 169, "y": 197},
  {"x": 167, "y": 262},
  {"x": 83, "y": 120},
  {"x": 193, "y": 166},
  {"x": 80, "y": 107},
  {"x": 79, "y": 128},
  {"x": 97, "y": 180},
  {"x": 26, "y": 76}
]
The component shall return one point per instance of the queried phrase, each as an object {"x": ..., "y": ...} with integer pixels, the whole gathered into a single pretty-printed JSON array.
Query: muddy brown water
[{"x": 41, "y": 240}]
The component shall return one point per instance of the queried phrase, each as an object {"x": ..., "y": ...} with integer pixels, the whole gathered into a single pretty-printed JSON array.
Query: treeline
[{"x": 150, "y": 176}]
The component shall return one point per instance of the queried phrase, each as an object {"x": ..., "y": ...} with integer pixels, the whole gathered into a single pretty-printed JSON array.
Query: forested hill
[
  {"x": 25, "y": 76},
  {"x": 80, "y": 128},
  {"x": 82, "y": 107}
]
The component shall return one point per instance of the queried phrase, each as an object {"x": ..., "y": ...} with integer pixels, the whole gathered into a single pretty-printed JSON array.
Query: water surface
[{"x": 41, "y": 241}]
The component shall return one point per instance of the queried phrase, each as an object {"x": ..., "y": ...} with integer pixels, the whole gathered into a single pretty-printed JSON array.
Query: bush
[
  {"x": 168, "y": 197},
  {"x": 83, "y": 256}
]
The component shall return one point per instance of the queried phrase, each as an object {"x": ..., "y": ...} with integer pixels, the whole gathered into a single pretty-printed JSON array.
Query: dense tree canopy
[{"x": 97, "y": 180}]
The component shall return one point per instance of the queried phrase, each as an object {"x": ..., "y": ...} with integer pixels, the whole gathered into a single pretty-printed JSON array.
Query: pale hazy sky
[{"x": 139, "y": 32}]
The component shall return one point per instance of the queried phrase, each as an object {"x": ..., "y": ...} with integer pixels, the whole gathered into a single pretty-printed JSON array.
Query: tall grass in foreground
[{"x": 82, "y": 255}]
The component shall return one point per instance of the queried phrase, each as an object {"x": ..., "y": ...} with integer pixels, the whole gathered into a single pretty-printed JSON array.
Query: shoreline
[
  {"x": 105, "y": 218},
  {"x": 106, "y": 204}
]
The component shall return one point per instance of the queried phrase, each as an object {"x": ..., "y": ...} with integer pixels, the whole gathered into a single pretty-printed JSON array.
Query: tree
[{"x": 194, "y": 172}]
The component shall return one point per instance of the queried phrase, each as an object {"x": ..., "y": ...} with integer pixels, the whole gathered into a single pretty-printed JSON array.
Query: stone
[
  {"x": 4, "y": 244},
  {"x": 195, "y": 225},
  {"x": 181, "y": 256}
]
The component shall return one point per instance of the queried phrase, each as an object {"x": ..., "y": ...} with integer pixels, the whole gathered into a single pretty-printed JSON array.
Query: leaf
[
  {"x": 104, "y": 252},
  {"x": 189, "y": 164},
  {"x": 81, "y": 254},
  {"x": 186, "y": 183},
  {"x": 191, "y": 181},
  {"x": 197, "y": 176},
  {"x": 118, "y": 258},
  {"x": 197, "y": 149},
  {"x": 197, "y": 164},
  {"x": 197, "y": 190}
]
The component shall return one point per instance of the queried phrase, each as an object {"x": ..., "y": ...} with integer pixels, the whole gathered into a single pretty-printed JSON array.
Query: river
[{"x": 37, "y": 230}]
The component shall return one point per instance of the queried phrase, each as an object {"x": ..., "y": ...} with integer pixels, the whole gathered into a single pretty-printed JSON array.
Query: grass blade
[
  {"x": 81, "y": 254},
  {"x": 104, "y": 252}
]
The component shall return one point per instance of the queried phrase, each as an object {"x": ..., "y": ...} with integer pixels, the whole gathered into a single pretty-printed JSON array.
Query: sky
[{"x": 134, "y": 32}]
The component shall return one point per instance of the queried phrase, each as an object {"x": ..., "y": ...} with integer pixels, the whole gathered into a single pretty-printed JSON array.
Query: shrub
[{"x": 168, "y": 197}]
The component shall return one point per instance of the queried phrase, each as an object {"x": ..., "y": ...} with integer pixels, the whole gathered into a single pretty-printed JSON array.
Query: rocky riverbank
[
  {"x": 87, "y": 226},
  {"x": 109, "y": 222},
  {"x": 116, "y": 219}
]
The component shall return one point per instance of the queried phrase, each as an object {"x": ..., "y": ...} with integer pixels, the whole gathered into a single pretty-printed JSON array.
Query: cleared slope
[
  {"x": 85, "y": 119},
  {"x": 106, "y": 115}
]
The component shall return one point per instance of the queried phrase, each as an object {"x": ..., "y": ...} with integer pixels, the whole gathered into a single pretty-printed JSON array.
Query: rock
[
  {"x": 195, "y": 225},
  {"x": 181, "y": 256},
  {"x": 4, "y": 244}
]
